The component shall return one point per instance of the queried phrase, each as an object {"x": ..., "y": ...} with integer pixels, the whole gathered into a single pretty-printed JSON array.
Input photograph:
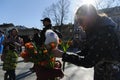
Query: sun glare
[
  {"x": 89, "y": 2},
  {"x": 77, "y": 3}
]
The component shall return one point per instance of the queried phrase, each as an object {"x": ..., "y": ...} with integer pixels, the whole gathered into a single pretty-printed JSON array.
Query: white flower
[{"x": 51, "y": 36}]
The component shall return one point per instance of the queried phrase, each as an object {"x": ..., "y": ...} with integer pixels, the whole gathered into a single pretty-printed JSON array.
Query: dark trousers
[{"x": 10, "y": 75}]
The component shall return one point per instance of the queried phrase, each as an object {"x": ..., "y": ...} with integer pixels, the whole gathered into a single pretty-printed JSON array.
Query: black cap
[{"x": 46, "y": 19}]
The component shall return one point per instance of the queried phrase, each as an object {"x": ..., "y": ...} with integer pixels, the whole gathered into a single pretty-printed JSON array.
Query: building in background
[
  {"x": 113, "y": 12},
  {"x": 67, "y": 31}
]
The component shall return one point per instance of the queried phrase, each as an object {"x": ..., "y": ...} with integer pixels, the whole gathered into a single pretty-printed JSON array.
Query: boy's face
[{"x": 46, "y": 23}]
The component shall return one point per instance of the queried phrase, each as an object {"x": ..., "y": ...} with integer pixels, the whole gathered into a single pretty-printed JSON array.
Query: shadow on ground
[{"x": 23, "y": 75}]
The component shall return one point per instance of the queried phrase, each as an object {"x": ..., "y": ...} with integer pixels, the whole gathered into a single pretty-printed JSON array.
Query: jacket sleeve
[{"x": 77, "y": 60}]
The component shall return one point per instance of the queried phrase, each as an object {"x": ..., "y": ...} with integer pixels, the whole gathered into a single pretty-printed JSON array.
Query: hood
[
  {"x": 51, "y": 36},
  {"x": 107, "y": 21}
]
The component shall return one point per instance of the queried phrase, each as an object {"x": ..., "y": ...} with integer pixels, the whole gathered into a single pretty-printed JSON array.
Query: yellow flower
[
  {"x": 69, "y": 43},
  {"x": 31, "y": 47},
  {"x": 45, "y": 51},
  {"x": 28, "y": 44},
  {"x": 52, "y": 59},
  {"x": 43, "y": 63},
  {"x": 35, "y": 52},
  {"x": 52, "y": 45},
  {"x": 60, "y": 41},
  {"x": 24, "y": 54}
]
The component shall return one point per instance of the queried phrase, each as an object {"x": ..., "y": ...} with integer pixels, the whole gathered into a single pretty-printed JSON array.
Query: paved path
[{"x": 72, "y": 72}]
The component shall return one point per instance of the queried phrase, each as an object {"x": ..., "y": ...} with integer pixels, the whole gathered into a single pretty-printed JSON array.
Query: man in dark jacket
[
  {"x": 47, "y": 25},
  {"x": 40, "y": 69},
  {"x": 40, "y": 39},
  {"x": 101, "y": 49}
]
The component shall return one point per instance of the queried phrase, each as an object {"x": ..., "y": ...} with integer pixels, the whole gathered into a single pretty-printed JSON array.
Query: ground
[{"x": 72, "y": 72}]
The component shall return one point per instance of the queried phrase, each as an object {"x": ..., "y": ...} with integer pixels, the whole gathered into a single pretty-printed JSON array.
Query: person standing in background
[
  {"x": 10, "y": 61},
  {"x": 39, "y": 39},
  {"x": 11, "y": 50},
  {"x": 13, "y": 37},
  {"x": 36, "y": 37},
  {"x": 1, "y": 41},
  {"x": 47, "y": 25},
  {"x": 41, "y": 72}
]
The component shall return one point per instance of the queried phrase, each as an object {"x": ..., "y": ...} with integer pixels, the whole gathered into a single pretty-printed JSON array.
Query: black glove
[{"x": 72, "y": 58}]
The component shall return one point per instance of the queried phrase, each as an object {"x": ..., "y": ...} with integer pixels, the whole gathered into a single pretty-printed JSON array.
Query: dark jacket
[
  {"x": 36, "y": 38},
  {"x": 42, "y": 35},
  {"x": 100, "y": 50}
]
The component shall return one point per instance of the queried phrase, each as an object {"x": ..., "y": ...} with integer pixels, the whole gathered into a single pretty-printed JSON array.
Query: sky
[
  {"x": 29, "y": 12},
  {"x": 23, "y": 12}
]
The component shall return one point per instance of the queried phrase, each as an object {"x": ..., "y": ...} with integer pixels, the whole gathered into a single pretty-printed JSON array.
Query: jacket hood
[{"x": 107, "y": 21}]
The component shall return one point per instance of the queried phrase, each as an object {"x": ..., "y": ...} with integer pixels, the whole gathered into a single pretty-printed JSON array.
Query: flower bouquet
[
  {"x": 41, "y": 56},
  {"x": 65, "y": 46},
  {"x": 45, "y": 64}
]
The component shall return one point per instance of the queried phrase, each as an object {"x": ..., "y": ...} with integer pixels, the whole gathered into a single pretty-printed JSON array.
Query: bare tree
[
  {"x": 58, "y": 12},
  {"x": 55, "y": 14},
  {"x": 63, "y": 6},
  {"x": 103, "y": 4},
  {"x": 47, "y": 12}
]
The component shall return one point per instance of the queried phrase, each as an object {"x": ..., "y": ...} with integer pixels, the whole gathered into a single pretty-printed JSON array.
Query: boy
[{"x": 10, "y": 61}]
